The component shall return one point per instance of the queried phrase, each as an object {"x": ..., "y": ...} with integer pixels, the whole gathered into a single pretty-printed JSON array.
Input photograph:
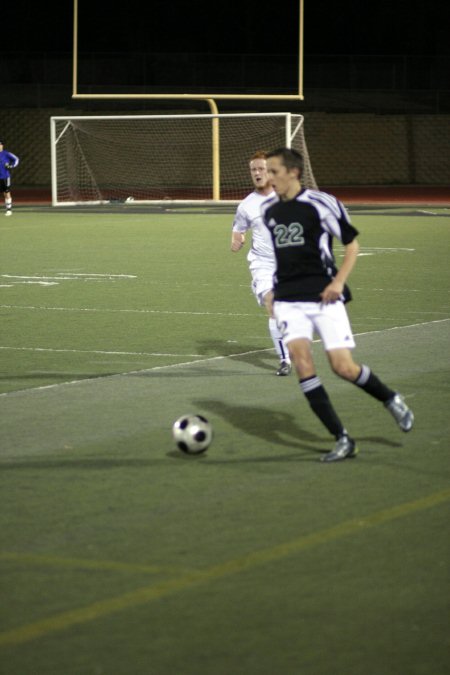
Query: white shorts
[
  {"x": 262, "y": 278},
  {"x": 300, "y": 319}
]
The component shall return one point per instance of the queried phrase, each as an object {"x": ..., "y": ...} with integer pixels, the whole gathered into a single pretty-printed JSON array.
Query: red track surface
[{"x": 408, "y": 194}]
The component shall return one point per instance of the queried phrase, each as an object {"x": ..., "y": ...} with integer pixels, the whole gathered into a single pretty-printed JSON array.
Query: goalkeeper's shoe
[
  {"x": 345, "y": 448},
  {"x": 400, "y": 412}
]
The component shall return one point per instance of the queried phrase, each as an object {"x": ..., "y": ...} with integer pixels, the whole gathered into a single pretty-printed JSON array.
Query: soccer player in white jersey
[
  {"x": 8, "y": 161},
  {"x": 310, "y": 292},
  {"x": 261, "y": 255}
]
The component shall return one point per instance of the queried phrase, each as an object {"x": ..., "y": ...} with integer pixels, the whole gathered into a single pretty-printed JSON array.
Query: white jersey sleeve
[{"x": 248, "y": 217}]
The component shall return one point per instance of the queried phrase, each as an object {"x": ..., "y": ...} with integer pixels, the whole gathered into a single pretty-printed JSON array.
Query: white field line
[
  {"x": 134, "y": 372},
  {"x": 93, "y": 351},
  {"x": 54, "y": 280},
  {"x": 70, "y": 275},
  {"x": 384, "y": 248},
  {"x": 125, "y": 311},
  {"x": 201, "y": 360}
]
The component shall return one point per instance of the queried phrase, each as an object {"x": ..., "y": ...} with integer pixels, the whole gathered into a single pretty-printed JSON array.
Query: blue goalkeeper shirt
[{"x": 7, "y": 158}]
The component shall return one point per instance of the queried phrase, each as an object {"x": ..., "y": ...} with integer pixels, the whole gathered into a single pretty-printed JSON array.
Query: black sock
[
  {"x": 373, "y": 386},
  {"x": 321, "y": 405}
]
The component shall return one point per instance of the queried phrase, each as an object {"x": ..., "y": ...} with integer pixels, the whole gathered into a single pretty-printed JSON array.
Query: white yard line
[
  {"x": 132, "y": 372},
  {"x": 201, "y": 360},
  {"x": 70, "y": 275},
  {"x": 93, "y": 351},
  {"x": 125, "y": 311}
]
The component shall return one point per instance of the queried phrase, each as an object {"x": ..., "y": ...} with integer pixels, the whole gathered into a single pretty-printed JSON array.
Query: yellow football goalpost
[{"x": 210, "y": 99}]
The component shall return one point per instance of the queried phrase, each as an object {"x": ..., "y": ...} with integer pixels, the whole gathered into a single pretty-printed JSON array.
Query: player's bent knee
[
  {"x": 304, "y": 365},
  {"x": 343, "y": 365},
  {"x": 347, "y": 371}
]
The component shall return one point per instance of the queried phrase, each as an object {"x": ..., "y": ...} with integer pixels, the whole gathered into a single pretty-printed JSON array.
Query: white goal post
[{"x": 165, "y": 158}]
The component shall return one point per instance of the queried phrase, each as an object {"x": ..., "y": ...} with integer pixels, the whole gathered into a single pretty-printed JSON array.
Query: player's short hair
[
  {"x": 259, "y": 154},
  {"x": 292, "y": 159}
]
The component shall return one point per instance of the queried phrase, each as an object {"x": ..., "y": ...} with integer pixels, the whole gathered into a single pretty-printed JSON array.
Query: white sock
[
  {"x": 277, "y": 340},
  {"x": 8, "y": 203}
]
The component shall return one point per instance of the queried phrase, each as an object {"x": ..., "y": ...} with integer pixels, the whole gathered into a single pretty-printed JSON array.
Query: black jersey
[{"x": 302, "y": 231}]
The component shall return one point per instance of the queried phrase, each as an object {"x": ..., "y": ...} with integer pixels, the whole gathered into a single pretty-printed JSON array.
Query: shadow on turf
[
  {"x": 275, "y": 426},
  {"x": 246, "y": 353},
  {"x": 104, "y": 463},
  {"x": 272, "y": 426}
]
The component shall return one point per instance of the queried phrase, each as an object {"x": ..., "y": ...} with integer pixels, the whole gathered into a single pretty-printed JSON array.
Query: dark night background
[
  {"x": 348, "y": 45},
  {"x": 347, "y": 26},
  {"x": 376, "y": 77}
]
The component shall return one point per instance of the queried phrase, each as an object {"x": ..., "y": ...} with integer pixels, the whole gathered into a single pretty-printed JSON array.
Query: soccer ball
[{"x": 192, "y": 433}]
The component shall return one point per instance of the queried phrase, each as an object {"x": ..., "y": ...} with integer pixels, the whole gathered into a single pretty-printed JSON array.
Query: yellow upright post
[
  {"x": 75, "y": 49},
  {"x": 215, "y": 149}
]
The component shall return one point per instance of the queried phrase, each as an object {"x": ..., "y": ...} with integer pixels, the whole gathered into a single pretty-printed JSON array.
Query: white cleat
[
  {"x": 345, "y": 448},
  {"x": 400, "y": 412}
]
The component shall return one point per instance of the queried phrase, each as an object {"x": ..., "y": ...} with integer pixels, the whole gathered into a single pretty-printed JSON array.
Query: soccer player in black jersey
[{"x": 310, "y": 293}]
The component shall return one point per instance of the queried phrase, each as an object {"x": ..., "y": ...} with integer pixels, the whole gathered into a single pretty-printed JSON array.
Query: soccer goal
[{"x": 165, "y": 158}]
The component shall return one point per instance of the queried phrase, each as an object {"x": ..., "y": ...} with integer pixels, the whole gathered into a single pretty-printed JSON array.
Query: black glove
[{"x": 9, "y": 166}]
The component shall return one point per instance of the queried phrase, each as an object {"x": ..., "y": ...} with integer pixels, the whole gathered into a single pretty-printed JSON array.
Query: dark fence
[{"x": 343, "y": 83}]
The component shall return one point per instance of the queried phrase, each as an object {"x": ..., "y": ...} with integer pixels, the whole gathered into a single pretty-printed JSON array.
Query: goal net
[{"x": 160, "y": 158}]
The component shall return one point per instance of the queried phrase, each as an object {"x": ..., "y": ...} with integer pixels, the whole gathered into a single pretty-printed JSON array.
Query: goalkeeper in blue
[{"x": 8, "y": 161}]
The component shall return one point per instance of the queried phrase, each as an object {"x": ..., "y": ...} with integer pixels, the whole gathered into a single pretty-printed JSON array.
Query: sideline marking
[
  {"x": 125, "y": 311},
  {"x": 92, "y": 351},
  {"x": 21, "y": 392},
  {"x": 147, "y": 594},
  {"x": 73, "y": 276},
  {"x": 384, "y": 248},
  {"x": 133, "y": 372},
  {"x": 39, "y": 283}
]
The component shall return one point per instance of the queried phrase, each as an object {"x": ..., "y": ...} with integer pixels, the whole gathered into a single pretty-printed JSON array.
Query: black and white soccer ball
[{"x": 192, "y": 433}]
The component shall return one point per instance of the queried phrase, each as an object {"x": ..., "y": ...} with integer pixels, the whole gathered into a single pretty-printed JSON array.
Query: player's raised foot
[
  {"x": 284, "y": 369},
  {"x": 400, "y": 412},
  {"x": 345, "y": 448}
]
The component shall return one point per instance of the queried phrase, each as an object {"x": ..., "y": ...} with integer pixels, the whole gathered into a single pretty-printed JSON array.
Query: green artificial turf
[{"x": 122, "y": 556}]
